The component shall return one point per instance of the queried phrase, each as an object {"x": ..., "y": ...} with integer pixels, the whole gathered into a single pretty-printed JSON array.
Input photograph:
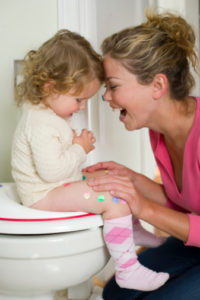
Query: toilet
[{"x": 42, "y": 252}]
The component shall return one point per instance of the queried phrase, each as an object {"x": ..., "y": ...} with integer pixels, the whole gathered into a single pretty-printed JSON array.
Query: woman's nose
[{"x": 106, "y": 96}]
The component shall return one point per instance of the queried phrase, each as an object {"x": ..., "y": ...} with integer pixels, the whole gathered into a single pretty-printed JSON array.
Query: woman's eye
[{"x": 112, "y": 87}]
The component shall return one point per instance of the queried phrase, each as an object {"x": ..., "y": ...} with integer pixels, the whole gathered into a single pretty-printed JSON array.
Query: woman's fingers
[
  {"x": 104, "y": 179},
  {"x": 108, "y": 183},
  {"x": 107, "y": 165},
  {"x": 126, "y": 196},
  {"x": 132, "y": 197}
]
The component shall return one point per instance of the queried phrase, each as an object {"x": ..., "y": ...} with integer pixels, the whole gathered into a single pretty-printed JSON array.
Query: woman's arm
[
  {"x": 171, "y": 221},
  {"x": 150, "y": 189},
  {"x": 168, "y": 220}
]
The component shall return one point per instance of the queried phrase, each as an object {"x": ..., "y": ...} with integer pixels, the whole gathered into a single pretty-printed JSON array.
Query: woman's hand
[
  {"x": 113, "y": 168},
  {"x": 94, "y": 174},
  {"x": 145, "y": 186},
  {"x": 121, "y": 187}
]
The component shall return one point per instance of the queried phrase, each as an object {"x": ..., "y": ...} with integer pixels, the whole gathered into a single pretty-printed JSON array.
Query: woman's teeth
[{"x": 123, "y": 111}]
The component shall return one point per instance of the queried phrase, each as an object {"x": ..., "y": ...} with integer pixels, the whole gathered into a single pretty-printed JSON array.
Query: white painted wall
[
  {"x": 116, "y": 143},
  {"x": 24, "y": 25},
  {"x": 190, "y": 11}
]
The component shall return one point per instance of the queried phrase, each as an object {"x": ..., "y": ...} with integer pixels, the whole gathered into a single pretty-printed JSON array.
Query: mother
[{"x": 148, "y": 79}]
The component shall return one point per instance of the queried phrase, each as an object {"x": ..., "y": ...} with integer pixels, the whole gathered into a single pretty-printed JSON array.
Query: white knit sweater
[{"x": 43, "y": 156}]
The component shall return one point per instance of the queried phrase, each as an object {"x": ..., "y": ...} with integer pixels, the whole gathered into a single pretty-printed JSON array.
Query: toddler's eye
[{"x": 78, "y": 100}]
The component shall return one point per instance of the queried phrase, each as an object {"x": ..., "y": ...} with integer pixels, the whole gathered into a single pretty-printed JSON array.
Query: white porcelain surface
[
  {"x": 38, "y": 258},
  {"x": 41, "y": 264},
  {"x": 10, "y": 208}
]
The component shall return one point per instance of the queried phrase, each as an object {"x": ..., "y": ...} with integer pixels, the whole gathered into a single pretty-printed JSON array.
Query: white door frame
[{"x": 80, "y": 16}]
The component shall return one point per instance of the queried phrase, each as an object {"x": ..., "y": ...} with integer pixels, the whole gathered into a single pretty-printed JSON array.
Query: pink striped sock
[{"x": 118, "y": 235}]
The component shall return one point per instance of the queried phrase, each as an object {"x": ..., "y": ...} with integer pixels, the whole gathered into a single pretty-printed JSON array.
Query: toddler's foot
[{"x": 140, "y": 278}]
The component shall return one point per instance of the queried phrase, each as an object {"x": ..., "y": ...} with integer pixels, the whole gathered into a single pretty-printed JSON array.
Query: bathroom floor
[
  {"x": 96, "y": 294},
  {"x": 61, "y": 295}
]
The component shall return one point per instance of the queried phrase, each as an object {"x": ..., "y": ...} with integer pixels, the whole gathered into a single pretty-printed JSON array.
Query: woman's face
[{"x": 124, "y": 92}]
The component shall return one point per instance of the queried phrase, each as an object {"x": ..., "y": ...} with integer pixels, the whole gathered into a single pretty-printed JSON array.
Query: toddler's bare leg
[
  {"x": 118, "y": 231},
  {"x": 78, "y": 196}
]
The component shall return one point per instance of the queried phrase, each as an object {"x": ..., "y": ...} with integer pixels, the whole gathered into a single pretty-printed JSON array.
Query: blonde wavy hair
[
  {"x": 165, "y": 43},
  {"x": 67, "y": 60}
]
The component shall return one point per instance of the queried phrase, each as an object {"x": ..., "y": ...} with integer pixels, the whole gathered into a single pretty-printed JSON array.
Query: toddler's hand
[{"x": 86, "y": 139}]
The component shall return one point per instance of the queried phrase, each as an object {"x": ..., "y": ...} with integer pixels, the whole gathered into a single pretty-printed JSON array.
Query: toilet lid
[{"x": 18, "y": 219}]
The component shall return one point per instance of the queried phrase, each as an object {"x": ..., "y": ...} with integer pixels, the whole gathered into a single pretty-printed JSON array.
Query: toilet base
[{"x": 35, "y": 267}]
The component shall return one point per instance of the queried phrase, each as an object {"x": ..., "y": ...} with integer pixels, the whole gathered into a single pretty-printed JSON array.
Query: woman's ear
[{"x": 160, "y": 85}]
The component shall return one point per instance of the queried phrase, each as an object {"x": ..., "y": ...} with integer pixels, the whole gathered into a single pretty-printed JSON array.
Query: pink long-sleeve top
[{"x": 188, "y": 199}]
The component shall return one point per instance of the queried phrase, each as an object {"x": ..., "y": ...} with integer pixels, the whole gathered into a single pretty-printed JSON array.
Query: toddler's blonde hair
[{"x": 66, "y": 61}]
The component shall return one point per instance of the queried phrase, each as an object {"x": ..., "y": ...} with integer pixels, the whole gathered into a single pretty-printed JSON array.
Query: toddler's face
[{"x": 64, "y": 105}]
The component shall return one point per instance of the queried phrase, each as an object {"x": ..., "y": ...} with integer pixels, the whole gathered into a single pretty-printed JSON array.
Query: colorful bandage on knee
[
  {"x": 66, "y": 184},
  {"x": 101, "y": 198},
  {"x": 86, "y": 195},
  {"x": 115, "y": 199}
]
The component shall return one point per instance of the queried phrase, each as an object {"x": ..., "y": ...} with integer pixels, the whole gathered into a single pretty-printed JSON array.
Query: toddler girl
[{"x": 47, "y": 154}]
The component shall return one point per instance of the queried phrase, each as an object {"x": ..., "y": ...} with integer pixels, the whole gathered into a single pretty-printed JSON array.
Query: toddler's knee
[{"x": 116, "y": 206}]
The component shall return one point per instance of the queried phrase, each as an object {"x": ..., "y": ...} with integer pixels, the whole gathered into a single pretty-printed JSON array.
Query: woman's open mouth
[{"x": 123, "y": 113}]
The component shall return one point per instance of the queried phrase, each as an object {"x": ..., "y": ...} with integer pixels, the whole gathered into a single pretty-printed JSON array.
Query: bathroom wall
[
  {"x": 190, "y": 11},
  {"x": 116, "y": 143},
  {"x": 24, "y": 25}
]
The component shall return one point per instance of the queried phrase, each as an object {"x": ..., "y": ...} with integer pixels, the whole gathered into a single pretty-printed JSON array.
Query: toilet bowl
[{"x": 42, "y": 252}]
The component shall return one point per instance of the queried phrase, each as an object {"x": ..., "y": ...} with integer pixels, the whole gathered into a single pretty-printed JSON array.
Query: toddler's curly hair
[{"x": 66, "y": 61}]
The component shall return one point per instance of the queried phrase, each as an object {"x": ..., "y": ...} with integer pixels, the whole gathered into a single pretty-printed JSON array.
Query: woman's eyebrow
[{"x": 111, "y": 78}]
